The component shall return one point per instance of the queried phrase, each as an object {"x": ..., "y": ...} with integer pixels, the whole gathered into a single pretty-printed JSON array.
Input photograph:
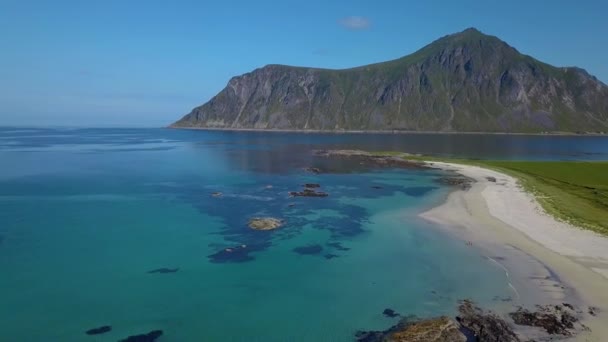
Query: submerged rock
[
  {"x": 309, "y": 250},
  {"x": 308, "y": 193},
  {"x": 484, "y": 326},
  {"x": 238, "y": 253},
  {"x": 149, "y": 337},
  {"x": 337, "y": 246},
  {"x": 164, "y": 270},
  {"x": 312, "y": 185},
  {"x": 216, "y": 194},
  {"x": 330, "y": 256},
  {"x": 101, "y": 330},
  {"x": 265, "y": 223},
  {"x": 441, "y": 329},
  {"x": 390, "y": 313}
]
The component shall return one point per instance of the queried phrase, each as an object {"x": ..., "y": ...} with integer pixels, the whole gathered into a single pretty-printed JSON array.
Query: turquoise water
[{"x": 86, "y": 214}]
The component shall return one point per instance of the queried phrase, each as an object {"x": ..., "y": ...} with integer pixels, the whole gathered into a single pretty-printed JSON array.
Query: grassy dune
[
  {"x": 576, "y": 192},
  {"x": 573, "y": 191}
]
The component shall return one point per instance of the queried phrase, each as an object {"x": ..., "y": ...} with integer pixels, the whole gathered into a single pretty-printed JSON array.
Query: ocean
[{"x": 147, "y": 229}]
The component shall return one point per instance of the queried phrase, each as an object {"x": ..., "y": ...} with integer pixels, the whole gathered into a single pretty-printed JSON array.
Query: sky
[{"x": 147, "y": 63}]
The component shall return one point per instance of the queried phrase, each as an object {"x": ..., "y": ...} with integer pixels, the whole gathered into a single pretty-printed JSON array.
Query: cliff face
[{"x": 462, "y": 82}]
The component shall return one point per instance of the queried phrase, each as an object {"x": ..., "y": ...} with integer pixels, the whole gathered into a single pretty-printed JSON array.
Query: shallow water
[{"x": 86, "y": 214}]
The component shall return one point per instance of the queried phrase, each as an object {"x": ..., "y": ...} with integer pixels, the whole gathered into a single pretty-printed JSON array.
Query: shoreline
[
  {"x": 546, "y": 261},
  {"x": 307, "y": 131}
]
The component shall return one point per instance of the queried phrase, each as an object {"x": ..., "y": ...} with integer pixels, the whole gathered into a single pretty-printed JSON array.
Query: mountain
[{"x": 464, "y": 82}]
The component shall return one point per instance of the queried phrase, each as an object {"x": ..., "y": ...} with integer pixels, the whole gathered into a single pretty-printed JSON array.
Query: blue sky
[{"x": 146, "y": 63}]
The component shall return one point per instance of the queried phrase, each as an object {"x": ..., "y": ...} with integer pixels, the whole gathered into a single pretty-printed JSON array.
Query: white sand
[{"x": 546, "y": 260}]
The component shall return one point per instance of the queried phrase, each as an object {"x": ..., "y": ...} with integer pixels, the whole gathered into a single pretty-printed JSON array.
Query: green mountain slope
[{"x": 466, "y": 81}]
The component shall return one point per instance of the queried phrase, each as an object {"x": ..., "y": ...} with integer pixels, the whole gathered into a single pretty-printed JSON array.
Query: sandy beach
[{"x": 545, "y": 260}]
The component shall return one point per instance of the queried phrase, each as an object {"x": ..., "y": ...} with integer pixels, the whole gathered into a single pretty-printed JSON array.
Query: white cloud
[{"x": 355, "y": 23}]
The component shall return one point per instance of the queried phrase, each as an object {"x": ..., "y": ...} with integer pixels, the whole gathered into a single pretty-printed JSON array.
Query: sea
[{"x": 143, "y": 230}]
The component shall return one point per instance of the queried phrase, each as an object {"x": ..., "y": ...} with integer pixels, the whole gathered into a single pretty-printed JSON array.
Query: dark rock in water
[
  {"x": 337, "y": 246},
  {"x": 101, "y": 330},
  {"x": 484, "y": 326},
  {"x": 309, "y": 250},
  {"x": 149, "y": 337},
  {"x": 376, "y": 187},
  {"x": 330, "y": 256},
  {"x": 216, "y": 194},
  {"x": 308, "y": 193},
  {"x": 491, "y": 179},
  {"x": 463, "y": 182},
  {"x": 312, "y": 185},
  {"x": 164, "y": 270},
  {"x": 313, "y": 170},
  {"x": 555, "y": 320},
  {"x": 390, "y": 313},
  {"x": 291, "y": 205},
  {"x": 441, "y": 329}
]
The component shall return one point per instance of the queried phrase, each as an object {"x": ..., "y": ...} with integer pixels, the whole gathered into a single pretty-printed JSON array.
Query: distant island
[{"x": 463, "y": 82}]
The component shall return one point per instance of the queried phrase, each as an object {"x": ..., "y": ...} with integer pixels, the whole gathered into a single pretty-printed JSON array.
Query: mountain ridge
[{"x": 462, "y": 82}]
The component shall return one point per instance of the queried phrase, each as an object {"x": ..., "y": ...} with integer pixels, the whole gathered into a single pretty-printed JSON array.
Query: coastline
[
  {"x": 306, "y": 131},
  {"x": 546, "y": 261}
]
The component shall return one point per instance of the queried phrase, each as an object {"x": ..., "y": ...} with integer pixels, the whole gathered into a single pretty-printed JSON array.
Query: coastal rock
[
  {"x": 463, "y": 183},
  {"x": 98, "y": 331},
  {"x": 441, "y": 329},
  {"x": 149, "y": 337},
  {"x": 491, "y": 179},
  {"x": 312, "y": 185},
  {"x": 555, "y": 320},
  {"x": 313, "y": 170},
  {"x": 308, "y": 193},
  {"x": 484, "y": 326},
  {"x": 265, "y": 223},
  {"x": 164, "y": 270},
  {"x": 216, "y": 194}
]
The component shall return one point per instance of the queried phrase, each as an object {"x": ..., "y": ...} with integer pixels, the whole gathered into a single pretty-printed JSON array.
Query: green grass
[{"x": 572, "y": 191}]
